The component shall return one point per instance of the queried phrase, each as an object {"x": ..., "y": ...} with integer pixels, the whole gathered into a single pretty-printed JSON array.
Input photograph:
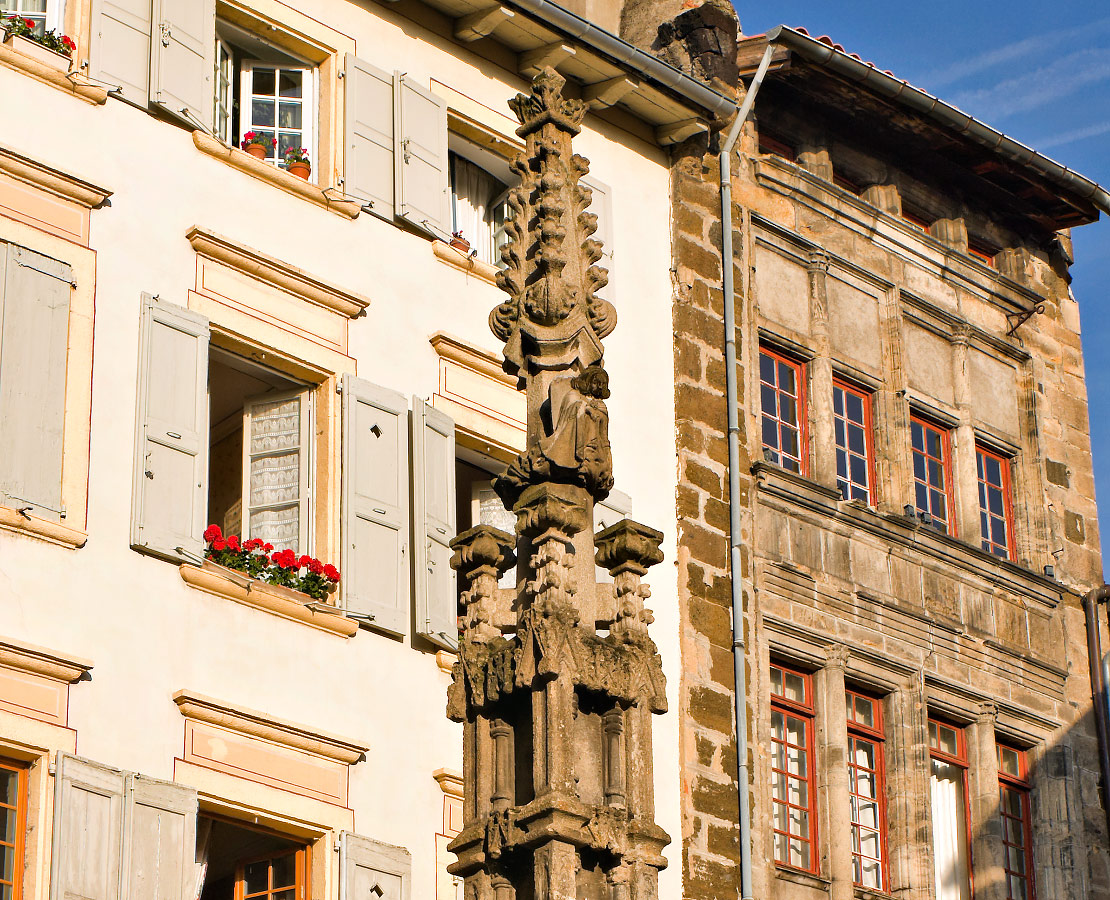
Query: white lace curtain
[{"x": 473, "y": 192}]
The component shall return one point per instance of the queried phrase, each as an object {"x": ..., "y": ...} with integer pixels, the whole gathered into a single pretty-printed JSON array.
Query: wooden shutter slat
[
  {"x": 369, "y": 136},
  {"x": 420, "y": 156},
  {"x": 121, "y": 47},
  {"x": 88, "y": 830},
  {"x": 182, "y": 56},
  {"x": 366, "y": 864},
  {"x": 161, "y": 840},
  {"x": 433, "y": 478}
]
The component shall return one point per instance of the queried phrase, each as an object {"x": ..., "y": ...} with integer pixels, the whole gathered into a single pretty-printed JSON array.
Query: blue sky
[{"x": 1039, "y": 72}]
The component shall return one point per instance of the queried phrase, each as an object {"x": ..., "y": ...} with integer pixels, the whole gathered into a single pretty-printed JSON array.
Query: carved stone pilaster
[{"x": 481, "y": 556}]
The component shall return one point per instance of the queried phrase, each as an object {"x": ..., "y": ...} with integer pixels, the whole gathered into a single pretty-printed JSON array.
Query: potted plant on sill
[
  {"x": 458, "y": 242},
  {"x": 297, "y": 162},
  {"x": 257, "y": 144},
  {"x": 55, "y": 50},
  {"x": 280, "y": 571}
]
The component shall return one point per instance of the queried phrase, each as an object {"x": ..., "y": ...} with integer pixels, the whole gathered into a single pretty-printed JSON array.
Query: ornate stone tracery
[{"x": 557, "y": 703}]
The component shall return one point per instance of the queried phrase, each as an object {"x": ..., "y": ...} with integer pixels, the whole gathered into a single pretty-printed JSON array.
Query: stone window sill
[
  {"x": 33, "y": 526},
  {"x": 274, "y": 599},
  {"x": 797, "y": 876},
  {"x": 445, "y": 253},
  {"x": 31, "y": 59},
  {"x": 244, "y": 162}
]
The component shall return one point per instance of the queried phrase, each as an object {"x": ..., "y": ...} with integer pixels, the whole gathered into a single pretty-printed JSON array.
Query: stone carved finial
[
  {"x": 481, "y": 555},
  {"x": 626, "y": 550}
]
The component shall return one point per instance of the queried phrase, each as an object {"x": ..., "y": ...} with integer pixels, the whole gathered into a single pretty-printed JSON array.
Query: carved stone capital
[
  {"x": 836, "y": 657},
  {"x": 628, "y": 546},
  {"x": 483, "y": 547},
  {"x": 546, "y": 508},
  {"x": 546, "y": 104}
]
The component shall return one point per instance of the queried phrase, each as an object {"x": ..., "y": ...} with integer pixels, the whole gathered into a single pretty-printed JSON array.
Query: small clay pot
[
  {"x": 257, "y": 151},
  {"x": 300, "y": 169}
]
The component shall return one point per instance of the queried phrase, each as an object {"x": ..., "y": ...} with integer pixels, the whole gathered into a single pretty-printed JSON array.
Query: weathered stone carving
[{"x": 557, "y": 705}]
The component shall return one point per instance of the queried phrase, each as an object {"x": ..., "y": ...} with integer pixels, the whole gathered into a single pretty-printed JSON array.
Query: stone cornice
[
  {"x": 450, "y": 782},
  {"x": 201, "y": 708},
  {"x": 40, "y": 661},
  {"x": 13, "y": 520},
  {"x": 56, "y": 182},
  {"x": 277, "y": 273},
  {"x": 471, "y": 356}
]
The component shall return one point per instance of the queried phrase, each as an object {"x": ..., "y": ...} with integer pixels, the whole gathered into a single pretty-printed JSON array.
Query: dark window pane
[
  {"x": 917, "y": 436},
  {"x": 841, "y": 464},
  {"x": 919, "y": 467},
  {"x": 859, "y": 470},
  {"x": 285, "y": 871},
  {"x": 788, "y": 410},
  {"x": 256, "y": 875},
  {"x": 289, "y": 115},
  {"x": 262, "y": 113},
  {"x": 935, "y": 478},
  {"x": 770, "y": 433},
  {"x": 838, "y": 401},
  {"x": 789, "y": 441},
  {"x": 767, "y": 399},
  {"x": 995, "y": 502},
  {"x": 936, "y": 498},
  {"x": 922, "y": 497},
  {"x": 933, "y": 443},
  {"x": 856, "y": 440},
  {"x": 838, "y": 430},
  {"x": 786, "y": 379},
  {"x": 994, "y": 470},
  {"x": 288, "y": 142},
  {"x": 855, "y": 407},
  {"x": 979, "y": 464},
  {"x": 290, "y": 83},
  {"x": 263, "y": 82},
  {"x": 766, "y": 368}
]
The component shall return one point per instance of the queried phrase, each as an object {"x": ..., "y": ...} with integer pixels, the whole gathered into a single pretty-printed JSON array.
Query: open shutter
[
  {"x": 375, "y": 504},
  {"x": 433, "y": 479},
  {"x": 171, "y": 469},
  {"x": 368, "y": 161},
  {"x": 121, "y": 47},
  {"x": 34, "y": 332},
  {"x": 161, "y": 842},
  {"x": 602, "y": 207},
  {"x": 182, "y": 57},
  {"x": 420, "y": 156},
  {"x": 277, "y": 440},
  {"x": 88, "y": 831},
  {"x": 370, "y": 870}
]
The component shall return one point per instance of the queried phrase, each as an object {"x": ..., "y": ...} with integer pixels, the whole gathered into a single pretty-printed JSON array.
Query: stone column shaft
[
  {"x": 832, "y": 758},
  {"x": 819, "y": 400},
  {"x": 987, "y": 851},
  {"x": 965, "y": 488}
]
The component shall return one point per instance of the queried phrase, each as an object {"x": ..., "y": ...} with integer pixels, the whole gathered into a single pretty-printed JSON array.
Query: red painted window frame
[
  {"x": 961, "y": 761},
  {"x": 917, "y": 220},
  {"x": 807, "y": 713},
  {"x": 946, "y": 466},
  {"x": 1022, "y": 787},
  {"x": 770, "y": 144},
  {"x": 877, "y": 737},
  {"x": 868, "y": 433},
  {"x": 20, "y": 807},
  {"x": 982, "y": 252},
  {"x": 800, "y": 402},
  {"x": 1007, "y": 499}
]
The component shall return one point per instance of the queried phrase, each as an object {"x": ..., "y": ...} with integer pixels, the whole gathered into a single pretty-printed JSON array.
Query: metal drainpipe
[
  {"x": 732, "y": 398},
  {"x": 1099, "y": 695}
]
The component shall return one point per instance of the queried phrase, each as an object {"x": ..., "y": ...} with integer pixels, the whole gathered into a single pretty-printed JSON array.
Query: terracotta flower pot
[
  {"x": 300, "y": 169},
  {"x": 461, "y": 244},
  {"x": 258, "y": 151}
]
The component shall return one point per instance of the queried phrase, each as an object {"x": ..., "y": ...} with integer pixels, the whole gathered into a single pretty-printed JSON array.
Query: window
[
  {"x": 1013, "y": 804},
  {"x": 951, "y": 838},
  {"x": 932, "y": 474},
  {"x": 793, "y": 769},
  {"x": 866, "y": 784},
  {"x": 239, "y": 863},
  {"x": 13, "y": 825},
  {"x": 44, "y": 14},
  {"x": 995, "y": 509},
  {"x": 916, "y": 218},
  {"x": 769, "y": 143},
  {"x": 982, "y": 252},
  {"x": 479, "y": 199},
  {"x": 854, "y": 452},
  {"x": 782, "y": 400}
]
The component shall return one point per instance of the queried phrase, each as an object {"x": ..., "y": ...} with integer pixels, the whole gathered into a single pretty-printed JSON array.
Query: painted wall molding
[{"x": 57, "y": 182}]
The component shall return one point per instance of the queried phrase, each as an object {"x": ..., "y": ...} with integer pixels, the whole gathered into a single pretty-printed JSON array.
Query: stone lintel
[{"x": 628, "y": 546}]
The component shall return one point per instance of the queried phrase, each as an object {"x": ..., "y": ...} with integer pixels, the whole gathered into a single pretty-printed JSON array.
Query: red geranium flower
[
  {"x": 233, "y": 542},
  {"x": 331, "y": 573},
  {"x": 315, "y": 566},
  {"x": 219, "y": 544},
  {"x": 304, "y": 562},
  {"x": 213, "y": 533},
  {"x": 269, "y": 548}
]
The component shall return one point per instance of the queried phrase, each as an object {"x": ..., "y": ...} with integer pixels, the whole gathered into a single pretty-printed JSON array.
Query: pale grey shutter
[
  {"x": 602, "y": 207},
  {"x": 182, "y": 56},
  {"x": 161, "y": 842},
  {"x": 169, "y": 499},
  {"x": 421, "y": 157},
  {"x": 370, "y": 870},
  {"x": 88, "y": 830},
  {"x": 34, "y": 333},
  {"x": 368, "y": 161},
  {"x": 375, "y": 578},
  {"x": 433, "y": 479},
  {"x": 121, "y": 47}
]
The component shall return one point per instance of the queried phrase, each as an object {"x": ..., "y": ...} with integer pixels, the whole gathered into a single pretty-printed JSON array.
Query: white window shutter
[
  {"x": 277, "y": 442},
  {"x": 368, "y": 161},
  {"x": 602, "y": 207},
  {"x": 87, "y": 855},
  {"x": 170, "y": 496},
  {"x": 161, "y": 841},
  {"x": 370, "y": 870},
  {"x": 120, "y": 53},
  {"x": 433, "y": 480},
  {"x": 374, "y": 562},
  {"x": 34, "y": 330},
  {"x": 420, "y": 157},
  {"x": 182, "y": 57}
]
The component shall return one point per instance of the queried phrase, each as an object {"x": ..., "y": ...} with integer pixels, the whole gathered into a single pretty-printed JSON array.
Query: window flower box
[
  {"x": 300, "y": 576},
  {"x": 38, "y": 52},
  {"x": 50, "y": 49}
]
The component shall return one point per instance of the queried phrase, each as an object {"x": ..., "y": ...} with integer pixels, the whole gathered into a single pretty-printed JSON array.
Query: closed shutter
[
  {"x": 183, "y": 51},
  {"x": 121, "y": 47},
  {"x": 171, "y": 470},
  {"x": 433, "y": 479},
  {"x": 88, "y": 831},
  {"x": 421, "y": 157},
  {"x": 370, "y": 870},
  {"x": 34, "y": 333},
  {"x": 368, "y": 161},
  {"x": 375, "y": 504},
  {"x": 277, "y": 436},
  {"x": 602, "y": 207},
  {"x": 161, "y": 841}
]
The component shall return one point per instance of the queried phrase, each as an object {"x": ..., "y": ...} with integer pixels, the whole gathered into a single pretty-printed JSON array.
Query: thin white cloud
[{"x": 1070, "y": 137}]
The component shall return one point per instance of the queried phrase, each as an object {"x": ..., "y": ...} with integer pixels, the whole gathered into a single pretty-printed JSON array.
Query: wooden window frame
[
  {"x": 874, "y": 735},
  {"x": 945, "y": 433},
  {"x": 960, "y": 760},
  {"x": 1006, "y": 489},
  {"x": 807, "y": 713},
  {"x": 309, "y": 101},
  {"x": 982, "y": 252},
  {"x": 302, "y": 865},
  {"x": 1021, "y": 786},
  {"x": 916, "y": 219},
  {"x": 868, "y": 436},
  {"x": 20, "y": 845},
  {"x": 769, "y": 144},
  {"x": 801, "y": 406}
]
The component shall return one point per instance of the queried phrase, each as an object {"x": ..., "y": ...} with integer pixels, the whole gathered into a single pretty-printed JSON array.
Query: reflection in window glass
[
  {"x": 995, "y": 515},
  {"x": 792, "y": 769},
  {"x": 932, "y": 473},
  {"x": 781, "y": 393}
]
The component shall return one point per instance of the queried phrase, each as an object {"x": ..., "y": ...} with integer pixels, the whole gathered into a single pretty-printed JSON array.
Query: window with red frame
[
  {"x": 274, "y": 877},
  {"x": 1013, "y": 802},
  {"x": 855, "y": 453},
  {"x": 948, "y": 794},
  {"x": 782, "y": 401},
  {"x": 792, "y": 769},
  {"x": 867, "y": 786},
  {"x": 916, "y": 219},
  {"x": 982, "y": 252},
  {"x": 996, "y": 514},
  {"x": 770, "y": 144},
  {"x": 932, "y": 473},
  {"x": 13, "y": 824}
]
